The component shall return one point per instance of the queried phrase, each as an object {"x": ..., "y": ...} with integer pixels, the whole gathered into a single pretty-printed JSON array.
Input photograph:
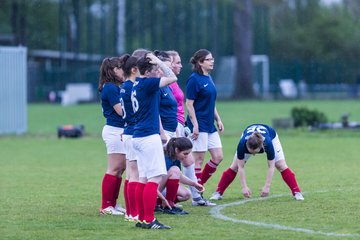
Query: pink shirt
[{"x": 179, "y": 96}]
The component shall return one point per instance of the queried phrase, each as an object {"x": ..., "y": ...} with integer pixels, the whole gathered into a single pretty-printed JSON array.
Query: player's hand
[
  {"x": 166, "y": 203},
  {"x": 200, "y": 188},
  {"x": 220, "y": 126},
  {"x": 265, "y": 191},
  {"x": 246, "y": 192},
  {"x": 195, "y": 133}
]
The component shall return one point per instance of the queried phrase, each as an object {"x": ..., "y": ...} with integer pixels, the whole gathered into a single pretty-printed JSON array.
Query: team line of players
[{"x": 146, "y": 135}]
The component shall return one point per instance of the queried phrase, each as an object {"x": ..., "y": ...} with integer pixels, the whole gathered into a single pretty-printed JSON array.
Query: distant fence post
[{"x": 13, "y": 88}]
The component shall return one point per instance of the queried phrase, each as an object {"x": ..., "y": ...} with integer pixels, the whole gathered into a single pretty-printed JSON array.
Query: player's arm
[
  {"x": 219, "y": 123},
  {"x": 241, "y": 169},
  {"x": 193, "y": 119},
  {"x": 187, "y": 181},
  {"x": 169, "y": 76},
  {"x": 118, "y": 109},
  {"x": 270, "y": 173},
  {"x": 162, "y": 132}
]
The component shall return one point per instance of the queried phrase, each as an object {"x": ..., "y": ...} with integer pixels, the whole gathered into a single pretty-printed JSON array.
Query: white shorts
[
  {"x": 279, "y": 153},
  {"x": 206, "y": 141},
  {"x": 112, "y": 138},
  {"x": 168, "y": 135},
  {"x": 151, "y": 159},
  {"x": 129, "y": 148},
  {"x": 180, "y": 130}
]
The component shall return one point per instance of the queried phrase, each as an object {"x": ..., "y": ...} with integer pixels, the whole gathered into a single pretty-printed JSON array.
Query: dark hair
[
  {"x": 181, "y": 143},
  {"x": 128, "y": 62},
  {"x": 107, "y": 74},
  {"x": 144, "y": 65},
  {"x": 199, "y": 56},
  {"x": 162, "y": 55},
  {"x": 255, "y": 141}
]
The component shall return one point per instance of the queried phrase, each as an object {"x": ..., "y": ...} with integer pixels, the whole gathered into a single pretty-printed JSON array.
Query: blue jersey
[
  {"x": 268, "y": 133},
  {"x": 145, "y": 99},
  {"x": 170, "y": 163},
  {"x": 128, "y": 112},
  {"x": 168, "y": 109},
  {"x": 201, "y": 89},
  {"x": 110, "y": 96}
]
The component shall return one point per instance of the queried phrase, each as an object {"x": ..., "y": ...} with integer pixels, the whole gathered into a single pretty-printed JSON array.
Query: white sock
[{"x": 189, "y": 172}]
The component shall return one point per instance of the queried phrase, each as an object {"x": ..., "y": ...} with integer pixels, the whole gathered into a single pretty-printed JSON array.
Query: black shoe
[
  {"x": 155, "y": 224},
  {"x": 159, "y": 208},
  {"x": 179, "y": 211},
  {"x": 139, "y": 224}
]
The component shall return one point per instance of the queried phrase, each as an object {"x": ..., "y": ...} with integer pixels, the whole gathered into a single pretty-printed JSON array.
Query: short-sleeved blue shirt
[
  {"x": 145, "y": 100},
  {"x": 268, "y": 133},
  {"x": 110, "y": 96},
  {"x": 201, "y": 89},
  {"x": 128, "y": 112},
  {"x": 168, "y": 109},
  {"x": 170, "y": 163}
]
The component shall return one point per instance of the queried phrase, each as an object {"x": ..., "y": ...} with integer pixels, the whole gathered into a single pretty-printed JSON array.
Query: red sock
[
  {"x": 131, "y": 190},
  {"x": 208, "y": 170},
  {"x": 139, "y": 200},
  {"x": 227, "y": 178},
  {"x": 126, "y": 196},
  {"x": 172, "y": 186},
  {"x": 149, "y": 200},
  {"x": 117, "y": 190},
  {"x": 158, "y": 202},
  {"x": 107, "y": 189},
  {"x": 290, "y": 180},
  {"x": 198, "y": 174}
]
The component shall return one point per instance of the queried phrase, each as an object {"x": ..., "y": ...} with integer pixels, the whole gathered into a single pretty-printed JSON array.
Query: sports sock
[
  {"x": 132, "y": 199},
  {"x": 149, "y": 200},
  {"x": 227, "y": 178},
  {"x": 107, "y": 190},
  {"x": 189, "y": 172},
  {"x": 126, "y": 197},
  {"x": 139, "y": 200},
  {"x": 198, "y": 174},
  {"x": 172, "y": 186},
  {"x": 290, "y": 180},
  {"x": 208, "y": 170}
]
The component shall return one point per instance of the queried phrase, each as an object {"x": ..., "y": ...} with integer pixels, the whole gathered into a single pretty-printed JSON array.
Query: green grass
[{"x": 51, "y": 188}]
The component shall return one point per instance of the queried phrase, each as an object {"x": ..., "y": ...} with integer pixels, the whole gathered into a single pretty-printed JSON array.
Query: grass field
[{"x": 50, "y": 188}]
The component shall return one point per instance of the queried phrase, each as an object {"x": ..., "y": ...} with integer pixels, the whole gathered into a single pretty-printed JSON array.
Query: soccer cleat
[
  {"x": 298, "y": 196},
  {"x": 155, "y": 224},
  {"x": 120, "y": 209},
  {"x": 216, "y": 196},
  {"x": 110, "y": 211},
  {"x": 202, "y": 202},
  {"x": 159, "y": 208},
  {"x": 139, "y": 224},
  {"x": 174, "y": 210}
]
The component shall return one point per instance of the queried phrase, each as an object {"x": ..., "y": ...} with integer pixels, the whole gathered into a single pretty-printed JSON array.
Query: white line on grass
[{"x": 215, "y": 212}]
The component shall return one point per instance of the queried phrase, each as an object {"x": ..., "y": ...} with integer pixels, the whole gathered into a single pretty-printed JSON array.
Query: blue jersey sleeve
[{"x": 192, "y": 88}]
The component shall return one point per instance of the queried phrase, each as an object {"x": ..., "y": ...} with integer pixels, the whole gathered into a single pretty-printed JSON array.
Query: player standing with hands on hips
[{"x": 258, "y": 138}]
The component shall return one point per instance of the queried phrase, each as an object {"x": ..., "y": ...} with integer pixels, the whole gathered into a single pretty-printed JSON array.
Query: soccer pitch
[{"x": 51, "y": 188}]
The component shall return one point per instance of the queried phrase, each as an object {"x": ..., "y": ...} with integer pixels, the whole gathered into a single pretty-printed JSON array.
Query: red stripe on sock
[
  {"x": 172, "y": 186},
  {"x": 108, "y": 187},
  {"x": 139, "y": 200},
  {"x": 208, "y": 170},
  {"x": 149, "y": 200},
  {"x": 290, "y": 180},
  {"x": 227, "y": 178}
]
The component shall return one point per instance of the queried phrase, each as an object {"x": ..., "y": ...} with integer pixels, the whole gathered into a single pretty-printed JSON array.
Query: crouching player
[
  {"x": 258, "y": 138},
  {"x": 177, "y": 151}
]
